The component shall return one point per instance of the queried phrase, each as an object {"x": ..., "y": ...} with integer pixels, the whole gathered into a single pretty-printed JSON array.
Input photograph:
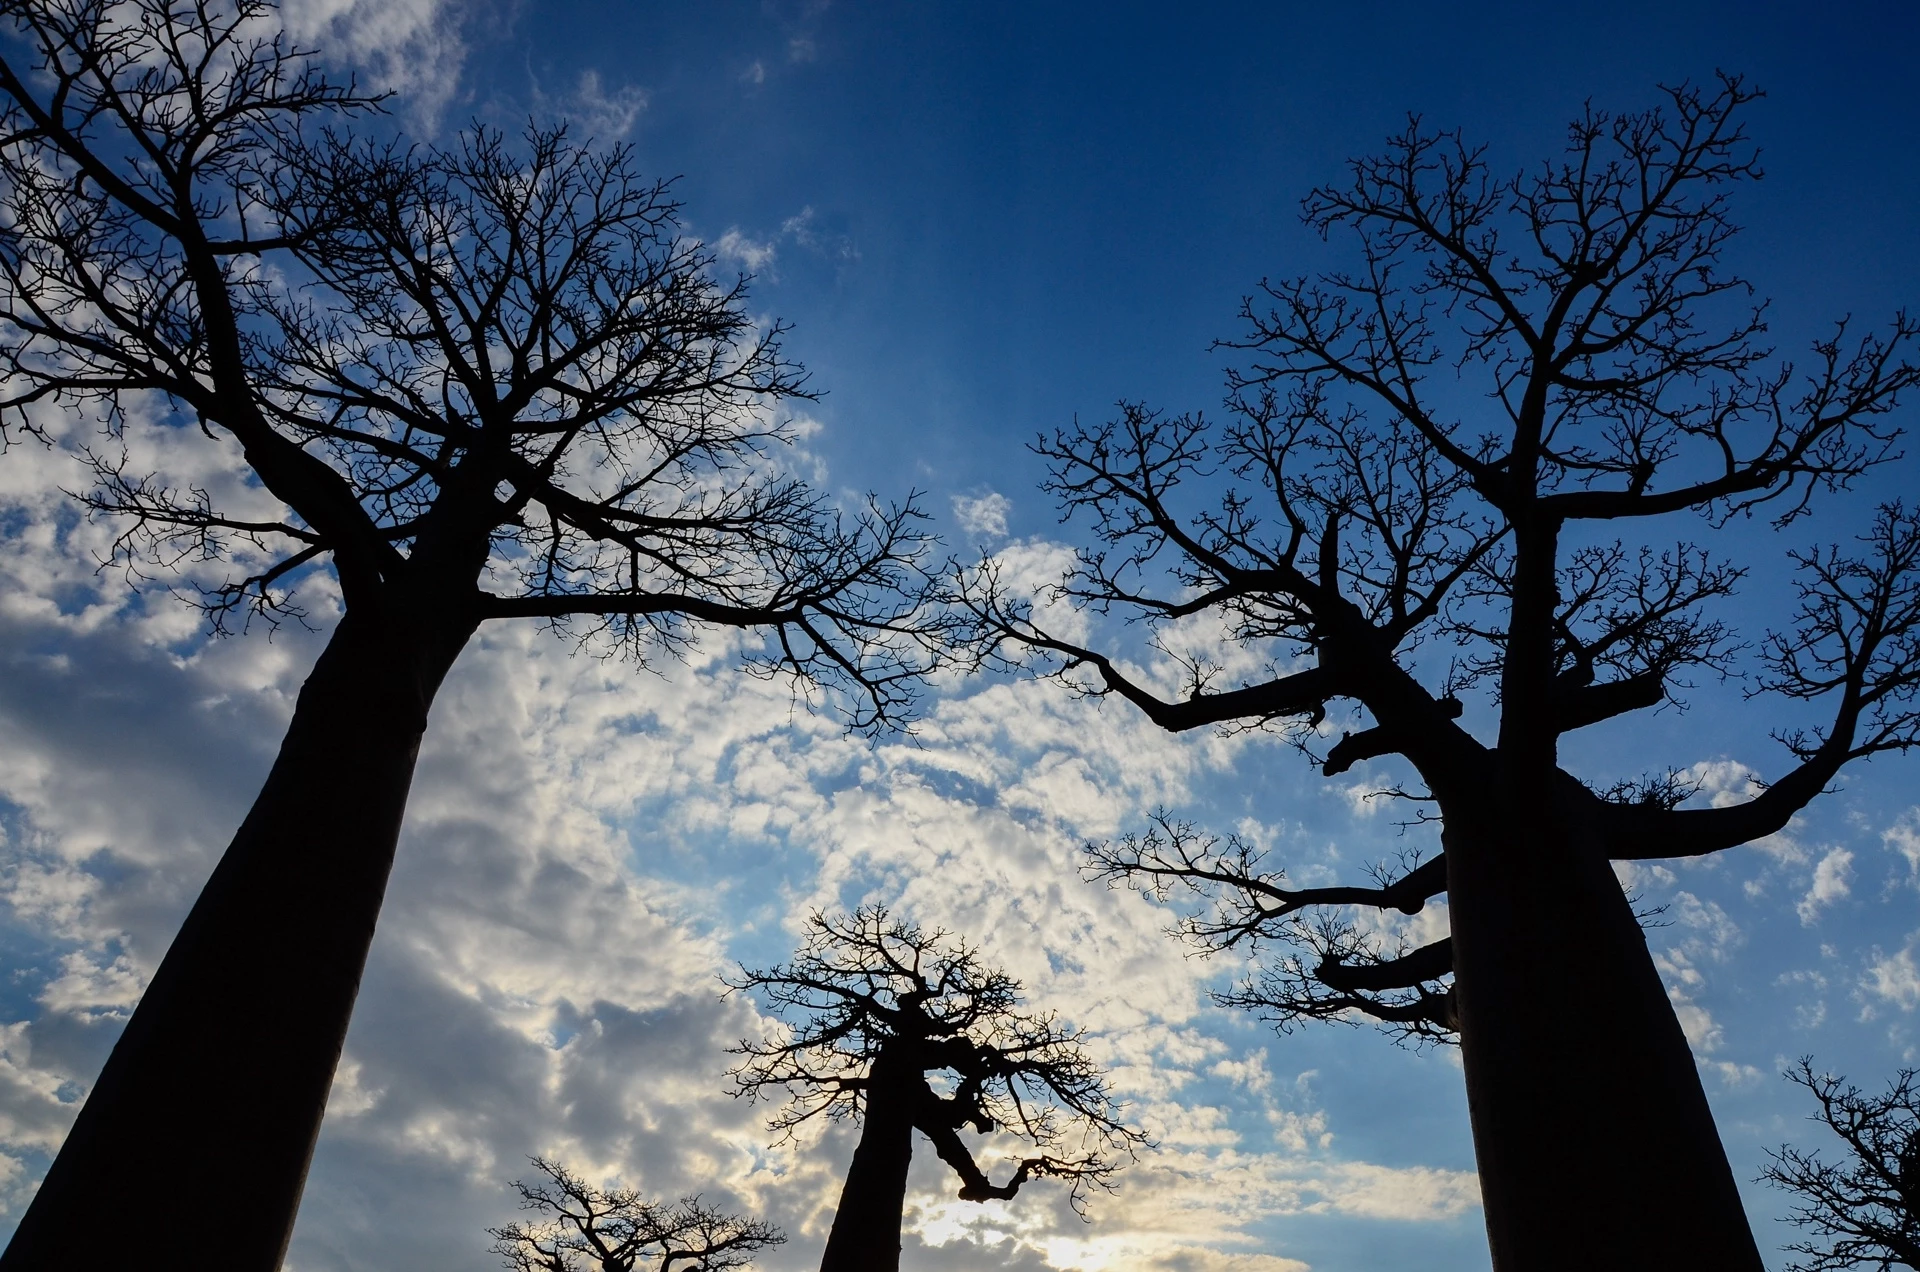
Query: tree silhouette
[
  {"x": 1362, "y": 510},
  {"x": 1866, "y": 1210},
  {"x": 872, "y": 1007},
  {"x": 583, "y": 1229},
  {"x": 488, "y": 380}
]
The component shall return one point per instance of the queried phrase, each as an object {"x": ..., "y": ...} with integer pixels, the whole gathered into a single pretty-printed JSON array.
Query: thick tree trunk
[
  {"x": 866, "y": 1227},
  {"x": 208, "y": 1108},
  {"x": 1595, "y": 1144}
]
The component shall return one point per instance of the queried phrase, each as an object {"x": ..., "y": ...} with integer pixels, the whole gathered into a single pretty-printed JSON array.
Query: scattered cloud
[
  {"x": 1903, "y": 837},
  {"x": 1895, "y": 978},
  {"x": 587, "y": 848},
  {"x": 984, "y": 516},
  {"x": 1829, "y": 885},
  {"x": 748, "y": 254},
  {"x": 1732, "y": 1075},
  {"x": 1811, "y": 1014},
  {"x": 801, "y": 228},
  {"x": 1366, "y": 799},
  {"x": 759, "y": 255},
  {"x": 1200, "y": 1259},
  {"x": 1725, "y": 782},
  {"x": 416, "y": 48},
  {"x": 1706, "y": 935},
  {"x": 604, "y": 114}
]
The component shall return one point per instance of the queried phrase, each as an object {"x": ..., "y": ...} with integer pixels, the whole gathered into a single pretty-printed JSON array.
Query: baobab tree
[
  {"x": 581, "y": 1228},
  {"x": 1414, "y": 498},
  {"x": 873, "y": 1006},
  {"x": 1865, "y": 1211},
  {"x": 491, "y": 380}
]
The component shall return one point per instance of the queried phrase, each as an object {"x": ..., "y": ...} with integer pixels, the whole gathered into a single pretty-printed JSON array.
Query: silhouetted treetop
[
  {"x": 1592, "y": 294},
  {"x": 502, "y": 346},
  {"x": 581, "y": 1228},
  {"x": 870, "y": 1002}
]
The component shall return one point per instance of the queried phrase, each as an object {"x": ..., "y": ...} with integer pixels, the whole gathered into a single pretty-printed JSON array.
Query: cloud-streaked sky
[{"x": 982, "y": 220}]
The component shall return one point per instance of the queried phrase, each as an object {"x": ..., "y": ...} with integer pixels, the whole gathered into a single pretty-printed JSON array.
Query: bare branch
[
  {"x": 584, "y": 1229},
  {"x": 1864, "y": 1211},
  {"x": 1856, "y": 645}
]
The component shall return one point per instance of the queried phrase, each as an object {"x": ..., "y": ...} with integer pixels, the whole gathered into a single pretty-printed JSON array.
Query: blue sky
[{"x": 982, "y": 220}]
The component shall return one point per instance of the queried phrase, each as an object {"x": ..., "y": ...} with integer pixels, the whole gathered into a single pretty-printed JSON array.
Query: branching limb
[
  {"x": 936, "y": 1122},
  {"x": 1428, "y": 963},
  {"x": 1330, "y": 970},
  {"x": 1857, "y": 645},
  {"x": 1249, "y": 902},
  {"x": 1369, "y": 744}
]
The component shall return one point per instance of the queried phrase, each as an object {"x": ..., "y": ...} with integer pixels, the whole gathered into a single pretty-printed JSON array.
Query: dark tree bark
[
  {"x": 1595, "y": 1143},
  {"x": 866, "y": 1226},
  {"x": 233, "y": 1045},
  {"x": 1342, "y": 523}
]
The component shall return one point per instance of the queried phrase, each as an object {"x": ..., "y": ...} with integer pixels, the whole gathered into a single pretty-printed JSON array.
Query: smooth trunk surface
[
  {"x": 1595, "y": 1143},
  {"x": 209, "y": 1106},
  {"x": 866, "y": 1227}
]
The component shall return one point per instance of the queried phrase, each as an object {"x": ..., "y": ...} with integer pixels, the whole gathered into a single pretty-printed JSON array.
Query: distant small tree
[
  {"x": 1866, "y": 1211},
  {"x": 873, "y": 1007},
  {"x": 583, "y": 1229}
]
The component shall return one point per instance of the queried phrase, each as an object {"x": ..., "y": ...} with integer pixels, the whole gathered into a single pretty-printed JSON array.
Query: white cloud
[
  {"x": 1829, "y": 885},
  {"x": 1703, "y": 1034},
  {"x": 1895, "y": 978},
  {"x": 412, "y": 47},
  {"x": 1201, "y": 1259},
  {"x": 1381, "y": 1192},
  {"x": 1725, "y": 782},
  {"x": 759, "y": 255},
  {"x": 1249, "y": 1071},
  {"x": 606, "y": 115},
  {"x": 750, "y": 255},
  {"x": 1365, "y": 799},
  {"x": 1734, "y": 1076},
  {"x": 92, "y": 985},
  {"x": 1903, "y": 837},
  {"x": 985, "y": 515}
]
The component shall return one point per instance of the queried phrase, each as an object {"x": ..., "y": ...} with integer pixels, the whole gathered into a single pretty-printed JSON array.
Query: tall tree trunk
[
  {"x": 208, "y": 1108},
  {"x": 1595, "y": 1144},
  {"x": 866, "y": 1227}
]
